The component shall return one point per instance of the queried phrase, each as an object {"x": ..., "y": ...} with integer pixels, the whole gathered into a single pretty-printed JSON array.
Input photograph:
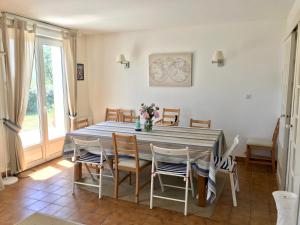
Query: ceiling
[{"x": 130, "y": 15}]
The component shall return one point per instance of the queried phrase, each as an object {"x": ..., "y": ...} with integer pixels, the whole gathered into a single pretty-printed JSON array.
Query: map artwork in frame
[{"x": 170, "y": 69}]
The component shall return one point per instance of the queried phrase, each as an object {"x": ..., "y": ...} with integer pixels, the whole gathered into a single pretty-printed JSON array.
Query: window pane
[
  {"x": 54, "y": 91},
  {"x": 30, "y": 133}
]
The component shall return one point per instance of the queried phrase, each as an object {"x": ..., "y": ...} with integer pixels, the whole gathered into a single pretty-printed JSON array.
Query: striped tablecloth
[{"x": 203, "y": 144}]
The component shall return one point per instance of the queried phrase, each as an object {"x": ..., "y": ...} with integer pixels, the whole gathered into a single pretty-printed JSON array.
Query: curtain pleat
[
  {"x": 19, "y": 46},
  {"x": 69, "y": 49}
]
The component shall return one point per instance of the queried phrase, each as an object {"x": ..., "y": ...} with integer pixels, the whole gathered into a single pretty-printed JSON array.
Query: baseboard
[{"x": 240, "y": 158}]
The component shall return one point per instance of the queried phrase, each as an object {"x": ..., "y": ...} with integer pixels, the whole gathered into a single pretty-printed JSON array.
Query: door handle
[{"x": 288, "y": 126}]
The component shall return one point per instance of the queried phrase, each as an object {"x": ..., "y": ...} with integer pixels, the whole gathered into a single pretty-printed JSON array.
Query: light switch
[{"x": 248, "y": 96}]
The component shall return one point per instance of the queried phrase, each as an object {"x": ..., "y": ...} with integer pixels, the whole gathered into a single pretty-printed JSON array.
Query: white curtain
[
  {"x": 19, "y": 46},
  {"x": 69, "y": 45}
]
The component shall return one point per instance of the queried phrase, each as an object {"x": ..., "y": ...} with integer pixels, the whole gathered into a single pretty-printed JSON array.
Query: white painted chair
[
  {"x": 91, "y": 152},
  {"x": 227, "y": 164},
  {"x": 171, "y": 169}
]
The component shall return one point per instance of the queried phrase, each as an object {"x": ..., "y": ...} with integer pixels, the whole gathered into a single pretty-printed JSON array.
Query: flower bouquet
[{"x": 148, "y": 113}]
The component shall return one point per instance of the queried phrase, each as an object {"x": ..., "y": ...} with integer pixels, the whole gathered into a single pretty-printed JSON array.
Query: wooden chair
[
  {"x": 127, "y": 159},
  {"x": 170, "y": 117},
  {"x": 265, "y": 145},
  {"x": 200, "y": 123},
  {"x": 227, "y": 164},
  {"x": 125, "y": 115},
  {"x": 112, "y": 115},
  {"x": 129, "y": 119},
  {"x": 81, "y": 123}
]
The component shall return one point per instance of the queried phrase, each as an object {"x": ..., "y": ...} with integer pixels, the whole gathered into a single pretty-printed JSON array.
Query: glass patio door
[{"x": 45, "y": 122}]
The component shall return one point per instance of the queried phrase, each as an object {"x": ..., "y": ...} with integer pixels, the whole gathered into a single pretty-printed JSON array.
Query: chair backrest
[
  {"x": 229, "y": 152},
  {"x": 276, "y": 133},
  {"x": 93, "y": 146},
  {"x": 127, "y": 115},
  {"x": 82, "y": 123},
  {"x": 200, "y": 123},
  {"x": 125, "y": 145},
  {"x": 169, "y": 152},
  {"x": 112, "y": 114},
  {"x": 171, "y": 115},
  {"x": 129, "y": 119}
]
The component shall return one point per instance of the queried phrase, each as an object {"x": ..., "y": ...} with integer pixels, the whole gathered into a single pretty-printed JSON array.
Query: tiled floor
[{"x": 53, "y": 196}]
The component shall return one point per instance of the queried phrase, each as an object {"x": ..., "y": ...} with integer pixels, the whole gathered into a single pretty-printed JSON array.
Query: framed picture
[
  {"x": 80, "y": 71},
  {"x": 170, "y": 69}
]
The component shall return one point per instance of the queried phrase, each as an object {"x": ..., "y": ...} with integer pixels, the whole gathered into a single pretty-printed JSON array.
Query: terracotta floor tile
[
  {"x": 37, "y": 206},
  {"x": 53, "y": 196}
]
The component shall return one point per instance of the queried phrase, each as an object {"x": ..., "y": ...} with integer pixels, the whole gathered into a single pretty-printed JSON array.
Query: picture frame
[
  {"x": 80, "y": 71},
  {"x": 170, "y": 69}
]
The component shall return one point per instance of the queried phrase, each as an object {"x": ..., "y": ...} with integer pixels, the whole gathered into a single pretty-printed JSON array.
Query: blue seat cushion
[
  {"x": 178, "y": 168},
  {"x": 225, "y": 165},
  {"x": 89, "y": 158}
]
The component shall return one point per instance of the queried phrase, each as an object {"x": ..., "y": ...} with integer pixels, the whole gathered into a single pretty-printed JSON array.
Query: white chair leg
[
  {"x": 233, "y": 189},
  {"x": 100, "y": 182},
  {"x": 192, "y": 184},
  {"x": 186, "y": 195},
  {"x": 161, "y": 183},
  {"x": 151, "y": 191}
]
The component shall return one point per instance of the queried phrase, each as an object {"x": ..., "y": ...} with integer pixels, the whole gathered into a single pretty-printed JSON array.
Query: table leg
[
  {"x": 202, "y": 191},
  {"x": 78, "y": 171}
]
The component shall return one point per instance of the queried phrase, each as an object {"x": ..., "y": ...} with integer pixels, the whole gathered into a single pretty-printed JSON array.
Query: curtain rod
[{"x": 39, "y": 23}]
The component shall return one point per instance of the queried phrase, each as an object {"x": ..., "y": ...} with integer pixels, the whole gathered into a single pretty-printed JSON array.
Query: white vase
[{"x": 287, "y": 206}]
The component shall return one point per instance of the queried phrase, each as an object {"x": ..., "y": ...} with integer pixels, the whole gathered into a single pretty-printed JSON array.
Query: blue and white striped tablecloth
[{"x": 203, "y": 144}]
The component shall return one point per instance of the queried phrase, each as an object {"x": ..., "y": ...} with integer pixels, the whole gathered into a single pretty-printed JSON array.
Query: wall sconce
[
  {"x": 121, "y": 59},
  {"x": 218, "y": 58}
]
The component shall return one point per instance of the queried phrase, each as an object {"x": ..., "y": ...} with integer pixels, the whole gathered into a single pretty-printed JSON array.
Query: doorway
[{"x": 45, "y": 122}]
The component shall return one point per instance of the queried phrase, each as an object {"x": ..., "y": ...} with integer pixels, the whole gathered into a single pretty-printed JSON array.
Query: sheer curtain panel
[
  {"x": 69, "y": 49},
  {"x": 19, "y": 45}
]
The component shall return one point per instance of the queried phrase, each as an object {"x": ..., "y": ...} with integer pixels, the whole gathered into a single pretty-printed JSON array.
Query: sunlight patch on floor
[
  {"x": 65, "y": 163},
  {"x": 45, "y": 173}
]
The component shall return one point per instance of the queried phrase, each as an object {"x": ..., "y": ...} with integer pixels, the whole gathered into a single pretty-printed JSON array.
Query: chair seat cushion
[
  {"x": 178, "y": 168},
  {"x": 89, "y": 158},
  {"x": 259, "y": 142},
  {"x": 225, "y": 165},
  {"x": 130, "y": 162}
]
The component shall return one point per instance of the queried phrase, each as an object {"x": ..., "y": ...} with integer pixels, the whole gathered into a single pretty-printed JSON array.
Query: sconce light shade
[
  {"x": 218, "y": 58},
  {"x": 121, "y": 59}
]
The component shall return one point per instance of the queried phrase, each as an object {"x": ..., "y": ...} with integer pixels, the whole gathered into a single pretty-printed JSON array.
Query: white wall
[{"x": 253, "y": 66}]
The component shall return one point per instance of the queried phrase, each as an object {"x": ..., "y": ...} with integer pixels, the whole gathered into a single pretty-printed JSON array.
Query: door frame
[
  {"x": 289, "y": 106},
  {"x": 42, "y": 109}
]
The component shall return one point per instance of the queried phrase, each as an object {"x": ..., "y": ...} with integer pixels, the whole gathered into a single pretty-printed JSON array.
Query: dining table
[{"x": 204, "y": 144}]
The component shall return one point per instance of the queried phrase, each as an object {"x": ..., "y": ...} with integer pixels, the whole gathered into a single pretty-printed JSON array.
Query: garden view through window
[{"x": 45, "y": 115}]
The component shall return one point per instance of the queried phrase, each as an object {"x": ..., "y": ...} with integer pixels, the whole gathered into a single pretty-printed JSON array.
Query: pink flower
[
  {"x": 156, "y": 114},
  {"x": 146, "y": 115}
]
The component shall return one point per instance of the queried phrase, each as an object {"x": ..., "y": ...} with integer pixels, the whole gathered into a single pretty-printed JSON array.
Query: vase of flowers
[{"x": 149, "y": 113}]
